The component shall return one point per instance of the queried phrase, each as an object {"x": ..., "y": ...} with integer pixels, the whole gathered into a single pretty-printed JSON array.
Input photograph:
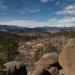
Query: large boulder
[
  {"x": 67, "y": 58},
  {"x": 40, "y": 71},
  {"x": 15, "y": 68},
  {"x": 47, "y": 60},
  {"x": 11, "y": 65}
]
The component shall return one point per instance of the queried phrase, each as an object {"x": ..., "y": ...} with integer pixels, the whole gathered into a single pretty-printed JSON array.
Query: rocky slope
[{"x": 32, "y": 47}]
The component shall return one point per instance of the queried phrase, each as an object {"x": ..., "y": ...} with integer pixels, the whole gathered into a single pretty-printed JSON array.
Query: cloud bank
[
  {"x": 67, "y": 10},
  {"x": 64, "y": 22}
]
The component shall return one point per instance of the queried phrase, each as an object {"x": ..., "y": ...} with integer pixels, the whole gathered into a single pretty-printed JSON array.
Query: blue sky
[{"x": 35, "y": 13}]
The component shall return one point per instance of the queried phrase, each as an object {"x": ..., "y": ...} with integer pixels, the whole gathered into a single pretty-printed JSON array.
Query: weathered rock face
[
  {"x": 54, "y": 71},
  {"x": 47, "y": 65},
  {"x": 67, "y": 58},
  {"x": 47, "y": 60},
  {"x": 11, "y": 65},
  {"x": 40, "y": 71},
  {"x": 15, "y": 68}
]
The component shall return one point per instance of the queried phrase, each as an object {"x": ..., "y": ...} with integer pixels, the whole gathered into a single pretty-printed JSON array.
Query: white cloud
[
  {"x": 70, "y": 7},
  {"x": 45, "y": 1},
  {"x": 67, "y": 21},
  {"x": 36, "y": 10},
  {"x": 28, "y": 10},
  {"x": 67, "y": 10},
  {"x": 26, "y": 23},
  {"x": 64, "y": 22}
]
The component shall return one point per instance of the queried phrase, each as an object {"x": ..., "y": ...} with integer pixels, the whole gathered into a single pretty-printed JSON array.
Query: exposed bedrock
[{"x": 67, "y": 58}]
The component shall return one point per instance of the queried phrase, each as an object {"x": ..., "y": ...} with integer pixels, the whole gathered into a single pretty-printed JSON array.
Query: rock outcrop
[
  {"x": 67, "y": 58},
  {"x": 11, "y": 65},
  {"x": 47, "y": 65},
  {"x": 40, "y": 71},
  {"x": 47, "y": 60},
  {"x": 15, "y": 68}
]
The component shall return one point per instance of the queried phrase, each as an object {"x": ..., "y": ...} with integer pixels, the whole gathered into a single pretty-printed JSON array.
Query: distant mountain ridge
[{"x": 8, "y": 28}]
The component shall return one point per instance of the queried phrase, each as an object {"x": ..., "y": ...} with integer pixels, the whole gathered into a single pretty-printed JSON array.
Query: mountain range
[{"x": 8, "y": 28}]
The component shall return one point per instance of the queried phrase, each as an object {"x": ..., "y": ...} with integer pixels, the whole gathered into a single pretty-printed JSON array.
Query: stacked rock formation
[
  {"x": 67, "y": 58},
  {"x": 47, "y": 65},
  {"x": 47, "y": 60}
]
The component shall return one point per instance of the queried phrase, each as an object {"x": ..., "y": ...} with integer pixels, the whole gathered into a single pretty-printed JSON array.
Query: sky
[{"x": 37, "y": 13}]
